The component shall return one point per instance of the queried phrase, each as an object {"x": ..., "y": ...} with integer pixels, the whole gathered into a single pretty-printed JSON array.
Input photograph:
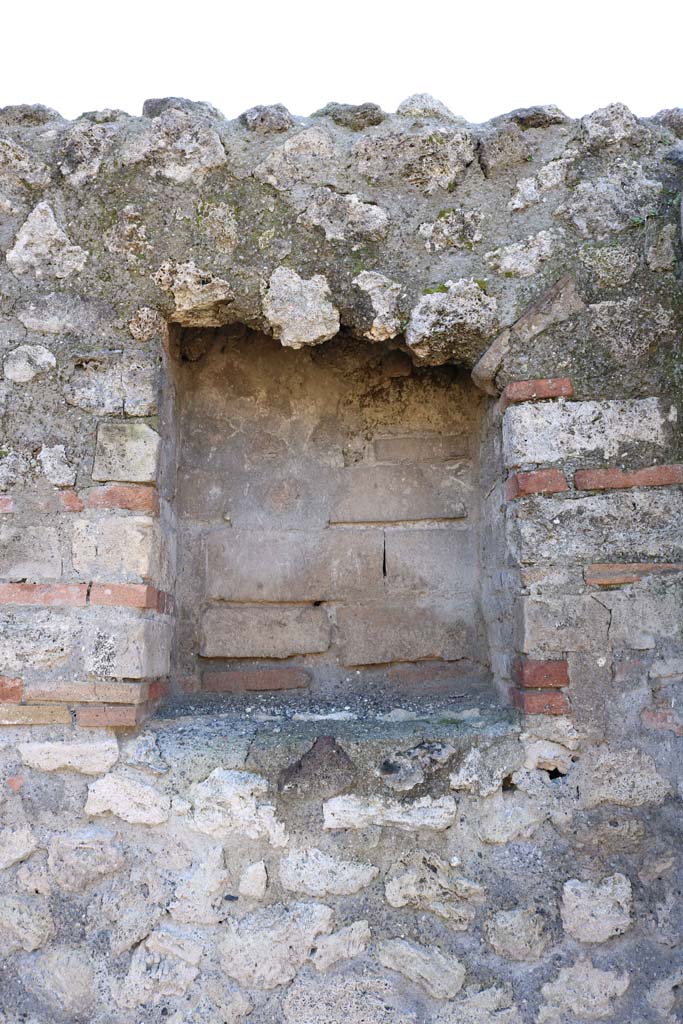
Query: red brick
[
  {"x": 124, "y": 595},
  {"x": 663, "y": 721},
  {"x": 529, "y": 672},
  {"x": 132, "y": 497},
  {"x": 10, "y": 690},
  {"x": 70, "y": 501},
  {"x": 612, "y": 479},
  {"x": 48, "y": 594},
  {"x": 611, "y": 574},
  {"x": 6, "y": 503},
  {"x": 241, "y": 680},
  {"x": 533, "y": 390},
  {"x": 540, "y": 481},
  {"x": 540, "y": 702},
  {"x": 124, "y": 716},
  {"x": 15, "y": 782}
]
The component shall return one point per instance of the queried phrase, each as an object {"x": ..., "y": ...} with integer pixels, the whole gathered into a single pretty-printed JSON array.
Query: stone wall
[{"x": 175, "y": 859}]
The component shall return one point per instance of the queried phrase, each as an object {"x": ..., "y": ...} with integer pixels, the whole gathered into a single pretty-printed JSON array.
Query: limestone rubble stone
[
  {"x": 440, "y": 975},
  {"x": 300, "y": 312},
  {"x": 316, "y": 873},
  {"x": 127, "y": 798},
  {"x": 581, "y": 991},
  {"x": 267, "y": 947},
  {"x": 595, "y": 912}
]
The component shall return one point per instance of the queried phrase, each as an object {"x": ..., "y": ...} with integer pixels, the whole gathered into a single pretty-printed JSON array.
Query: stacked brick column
[
  {"x": 86, "y": 626},
  {"x": 593, "y": 512}
]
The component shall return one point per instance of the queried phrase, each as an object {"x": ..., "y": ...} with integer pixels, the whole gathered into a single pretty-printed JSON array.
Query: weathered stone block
[
  {"x": 30, "y": 553},
  {"x": 36, "y": 638},
  {"x": 115, "y": 547},
  {"x": 380, "y": 633},
  {"x": 645, "y": 617},
  {"x": 264, "y": 631},
  {"x": 427, "y": 448},
  {"x": 126, "y": 647},
  {"x": 396, "y": 493},
  {"x": 439, "y": 559},
  {"x": 567, "y": 623},
  {"x": 126, "y": 451},
  {"x": 616, "y": 525},
  {"x": 291, "y": 565},
  {"x": 557, "y": 431}
]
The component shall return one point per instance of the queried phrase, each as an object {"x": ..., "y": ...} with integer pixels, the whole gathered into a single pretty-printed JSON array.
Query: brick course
[
  {"x": 540, "y": 481},
  {"x": 11, "y": 690},
  {"x": 529, "y": 672},
  {"x": 611, "y": 479},
  {"x": 540, "y": 702},
  {"x": 535, "y": 390},
  {"x": 613, "y": 574},
  {"x": 241, "y": 680}
]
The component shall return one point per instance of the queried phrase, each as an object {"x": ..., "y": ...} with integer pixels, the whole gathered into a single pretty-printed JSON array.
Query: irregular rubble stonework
[{"x": 391, "y": 396}]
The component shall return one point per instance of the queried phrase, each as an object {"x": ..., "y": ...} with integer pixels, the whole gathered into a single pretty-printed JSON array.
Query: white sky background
[{"x": 480, "y": 58}]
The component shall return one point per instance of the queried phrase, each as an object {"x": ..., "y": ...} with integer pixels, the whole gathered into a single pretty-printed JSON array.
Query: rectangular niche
[{"x": 328, "y": 511}]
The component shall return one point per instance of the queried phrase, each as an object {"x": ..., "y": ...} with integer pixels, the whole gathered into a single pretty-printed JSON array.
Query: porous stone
[
  {"x": 582, "y": 991},
  {"x": 628, "y": 778},
  {"x": 384, "y": 295},
  {"x": 339, "y": 215},
  {"x": 302, "y": 158},
  {"x": 452, "y": 323},
  {"x": 441, "y": 976},
  {"x": 299, "y": 311},
  {"x": 518, "y": 934},
  {"x": 199, "y": 894},
  {"x": 56, "y": 466},
  {"x": 26, "y": 362},
  {"x": 353, "y": 116},
  {"x": 483, "y": 768},
  {"x": 422, "y": 104},
  {"x": 361, "y": 997},
  {"x": 254, "y": 881},
  {"x": 457, "y": 228},
  {"x": 126, "y": 451},
  {"x": 16, "y": 844},
  {"x": 494, "y": 1005},
  {"x": 318, "y": 874},
  {"x": 594, "y": 912},
  {"x": 266, "y": 119},
  {"x": 61, "y": 983},
  {"x": 426, "y": 882},
  {"x": 623, "y": 198},
  {"x": 356, "y": 812},
  {"x": 344, "y": 944},
  {"x": 609, "y": 126},
  {"x": 129, "y": 799},
  {"x": 201, "y": 299},
  {"x": 43, "y": 247},
  {"x": 231, "y": 803},
  {"x": 522, "y": 259},
  {"x": 25, "y": 923},
  {"x": 546, "y": 432},
  {"x": 266, "y": 948},
  {"x": 81, "y": 858},
  {"x": 164, "y": 965},
  {"x": 90, "y": 757}
]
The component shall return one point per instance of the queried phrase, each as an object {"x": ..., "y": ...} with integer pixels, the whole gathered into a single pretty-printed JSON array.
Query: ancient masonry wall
[{"x": 514, "y": 863}]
